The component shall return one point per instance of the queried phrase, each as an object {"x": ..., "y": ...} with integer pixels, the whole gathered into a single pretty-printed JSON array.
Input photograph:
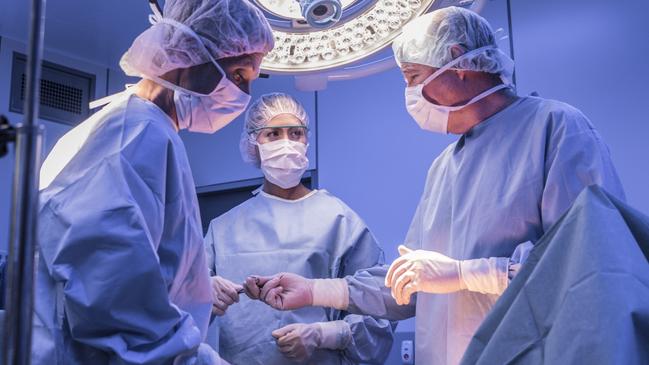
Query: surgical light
[{"x": 316, "y": 35}]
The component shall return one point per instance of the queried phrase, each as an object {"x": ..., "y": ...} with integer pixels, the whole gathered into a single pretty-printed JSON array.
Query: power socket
[{"x": 407, "y": 353}]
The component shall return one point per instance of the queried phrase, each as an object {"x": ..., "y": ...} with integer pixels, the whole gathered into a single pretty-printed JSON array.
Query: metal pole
[{"x": 20, "y": 297}]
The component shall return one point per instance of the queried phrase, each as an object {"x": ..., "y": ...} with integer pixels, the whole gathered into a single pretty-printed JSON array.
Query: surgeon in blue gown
[
  {"x": 288, "y": 227},
  {"x": 121, "y": 276},
  {"x": 517, "y": 165}
]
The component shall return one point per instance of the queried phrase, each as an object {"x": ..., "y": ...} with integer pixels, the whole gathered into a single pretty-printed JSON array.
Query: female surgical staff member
[
  {"x": 288, "y": 227},
  {"x": 121, "y": 268},
  {"x": 518, "y": 164}
]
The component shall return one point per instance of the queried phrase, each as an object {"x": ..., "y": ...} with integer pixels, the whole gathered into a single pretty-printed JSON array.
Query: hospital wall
[{"x": 593, "y": 55}]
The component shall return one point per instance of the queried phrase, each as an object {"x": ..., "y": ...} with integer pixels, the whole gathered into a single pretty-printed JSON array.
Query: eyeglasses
[{"x": 293, "y": 132}]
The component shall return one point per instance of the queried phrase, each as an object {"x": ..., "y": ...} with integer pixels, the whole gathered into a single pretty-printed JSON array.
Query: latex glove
[
  {"x": 298, "y": 341},
  {"x": 224, "y": 294},
  {"x": 422, "y": 270},
  {"x": 283, "y": 291},
  {"x": 286, "y": 291}
]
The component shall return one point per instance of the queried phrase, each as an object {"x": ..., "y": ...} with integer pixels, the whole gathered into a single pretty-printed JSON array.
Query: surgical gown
[
  {"x": 316, "y": 236},
  {"x": 121, "y": 270},
  {"x": 503, "y": 183}
]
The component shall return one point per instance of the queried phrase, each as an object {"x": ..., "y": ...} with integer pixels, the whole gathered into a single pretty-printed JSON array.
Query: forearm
[
  {"x": 368, "y": 295},
  {"x": 492, "y": 275}
]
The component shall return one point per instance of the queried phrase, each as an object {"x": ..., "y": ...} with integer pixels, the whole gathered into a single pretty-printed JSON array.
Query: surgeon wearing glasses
[{"x": 289, "y": 227}]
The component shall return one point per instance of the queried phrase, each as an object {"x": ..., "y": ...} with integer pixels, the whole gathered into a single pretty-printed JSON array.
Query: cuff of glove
[
  {"x": 331, "y": 293},
  {"x": 486, "y": 276},
  {"x": 336, "y": 335}
]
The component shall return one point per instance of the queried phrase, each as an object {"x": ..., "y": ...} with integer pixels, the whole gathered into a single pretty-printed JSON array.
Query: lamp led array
[{"x": 351, "y": 41}]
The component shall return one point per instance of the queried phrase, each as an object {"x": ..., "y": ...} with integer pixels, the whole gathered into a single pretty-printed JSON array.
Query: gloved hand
[
  {"x": 224, "y": 294},
  {"x": 422, "y": 270},
  {"x": 298, "y": 341},
  {"x": 283, "y": 291}
]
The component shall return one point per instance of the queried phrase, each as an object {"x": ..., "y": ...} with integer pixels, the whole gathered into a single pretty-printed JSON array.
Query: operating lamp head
[{"x": 321, "y": 13}]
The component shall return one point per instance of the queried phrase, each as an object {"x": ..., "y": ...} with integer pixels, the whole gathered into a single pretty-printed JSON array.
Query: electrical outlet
[{"x": 407, "y": 353}]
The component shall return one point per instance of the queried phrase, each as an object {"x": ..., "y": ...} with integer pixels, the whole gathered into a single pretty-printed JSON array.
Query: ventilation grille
[{"x": 64, "y": 96}]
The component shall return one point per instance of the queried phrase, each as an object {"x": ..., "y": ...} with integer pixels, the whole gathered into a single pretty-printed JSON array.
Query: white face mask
[
  {"x": 283, "y": 162},
  {"x": 433, "y": 117},
  {"x": 206, "y": 113}
]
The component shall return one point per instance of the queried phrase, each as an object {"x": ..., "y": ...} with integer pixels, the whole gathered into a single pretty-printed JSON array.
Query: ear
[{"x": 457, "y": 51}]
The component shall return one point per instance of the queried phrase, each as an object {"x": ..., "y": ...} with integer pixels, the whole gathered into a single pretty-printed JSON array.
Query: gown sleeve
[{"x": 371, "y": 337}]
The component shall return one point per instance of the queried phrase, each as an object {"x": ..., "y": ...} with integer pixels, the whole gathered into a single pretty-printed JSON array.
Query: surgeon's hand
[
  {"x": 283, "y": 291},
  {"x": 224, "y": 294},
  {"x": 422, "y": 270},
  {"x": 298, "y": 341}
]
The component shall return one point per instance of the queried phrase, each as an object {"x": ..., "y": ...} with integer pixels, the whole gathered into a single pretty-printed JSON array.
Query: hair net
[
  {"x": 262, "y": 111},
  {"x": 227, "y": 28},
  {"x": 428, "y": 39}
]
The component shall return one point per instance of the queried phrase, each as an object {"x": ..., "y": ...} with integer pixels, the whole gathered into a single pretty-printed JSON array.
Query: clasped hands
[{"x": 413, "y": 271}]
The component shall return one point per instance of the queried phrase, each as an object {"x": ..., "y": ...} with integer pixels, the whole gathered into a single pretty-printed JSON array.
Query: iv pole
[{"x": 24, "y": 206}]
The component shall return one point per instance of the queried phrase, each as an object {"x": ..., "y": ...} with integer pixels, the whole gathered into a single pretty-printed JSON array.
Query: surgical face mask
[
  {"x": 283, "y": 162},
  {"x": 433, "y": 117},
  {"x": 206, "y": 113}
]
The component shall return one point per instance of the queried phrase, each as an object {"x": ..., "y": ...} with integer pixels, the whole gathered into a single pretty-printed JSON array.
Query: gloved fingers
[
  {"x": 216, "y": 285},
  {"x": 229, "y": 290},
  {"x": 397, "y": 289},
  {"x": 262, "y": 280},
  {"x": 389, "y": 277},
  {"x": 290, "y": 339},
  {"x": 237, "y": 289},
  {"x": 274, "y": 298},
  {"x": 287, "y": 342},
  {"x": 403, "y": 250},
  {"x": 251, "y": 287},
  {"x": 217, "y": 311},
  {"x": 220, "y": 304},
  {"x": 280, "y": 332},
  {"x": 268, "y": 285},
  {"x": 285, "y": 349},
  {"x": 224, "y": 298},
  {"x": 408, "y": 290},
  {"x": 398, "y": 275},
  {"x": 398, "y": 272}
]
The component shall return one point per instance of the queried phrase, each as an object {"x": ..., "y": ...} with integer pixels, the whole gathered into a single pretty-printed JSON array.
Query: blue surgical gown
[
  {"x": 121, "y": 270},
  {"x": 317, "y": 236},
  {"x": 501, "y": 184}
]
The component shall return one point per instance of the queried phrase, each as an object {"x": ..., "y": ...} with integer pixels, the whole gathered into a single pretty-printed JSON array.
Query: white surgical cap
[
  {"x": 262, "y": 111},
  {"x": 428, "y": 39},
  {"x": 227, "y": 28}
]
